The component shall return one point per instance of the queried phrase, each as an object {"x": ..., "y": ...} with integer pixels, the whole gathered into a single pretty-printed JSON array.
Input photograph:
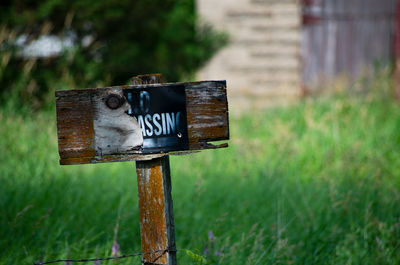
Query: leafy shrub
[{"x": 112, "y": 41}]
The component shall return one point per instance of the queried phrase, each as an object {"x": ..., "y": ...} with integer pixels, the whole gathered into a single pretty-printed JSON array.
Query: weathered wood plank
[
  {"x": 91, "y": 132},
  {"x": 207, "y": 113},
  {"x": 75, "y": 124}
]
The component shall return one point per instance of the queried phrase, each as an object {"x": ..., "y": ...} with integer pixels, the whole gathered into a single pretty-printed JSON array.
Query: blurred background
[
  {"x": 312, "y": 173},
  {"x": 281, "y": 50}
]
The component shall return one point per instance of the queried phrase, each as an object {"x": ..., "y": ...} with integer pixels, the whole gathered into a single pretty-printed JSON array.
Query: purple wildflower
[
  {"x": 205, "y": 251},
  {"x": 210, "y": 236},
  {"x": 115, "y": 250}
]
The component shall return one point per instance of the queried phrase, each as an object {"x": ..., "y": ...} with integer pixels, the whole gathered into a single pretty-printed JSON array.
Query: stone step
[
  {"x": 260, "y": 91},
  {"x": 254, "y": 12},
  {"x": 273, "y": 50},
  {"x": 288, "y": 63},
  {"x": 236, "y": 54},
  {"x": 273, "y": 2},
  {"x": 264, "y": 69},
  {"x": 265, "y": 25},
  {"x": 247, "y": 35},
  {"x": 284, "y": 78},
  {"x": 259, "y": 43}
]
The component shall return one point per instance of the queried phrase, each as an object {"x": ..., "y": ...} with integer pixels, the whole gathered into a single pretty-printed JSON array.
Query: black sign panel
[{"x": 161, "y": 113}]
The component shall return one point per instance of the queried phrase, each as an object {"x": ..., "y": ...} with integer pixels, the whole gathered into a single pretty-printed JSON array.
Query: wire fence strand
[{"x": 162, "y": 251}]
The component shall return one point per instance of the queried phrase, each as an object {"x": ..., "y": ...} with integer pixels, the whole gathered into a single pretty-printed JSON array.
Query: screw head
[{"x": 114, "y": 101}]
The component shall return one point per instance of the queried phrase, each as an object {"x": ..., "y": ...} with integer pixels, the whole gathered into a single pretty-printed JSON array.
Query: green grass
[{"x": 315, "y": 183}]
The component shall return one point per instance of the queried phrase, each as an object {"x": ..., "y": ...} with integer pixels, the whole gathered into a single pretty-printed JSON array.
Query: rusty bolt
[{"x": 114, "y": 101}]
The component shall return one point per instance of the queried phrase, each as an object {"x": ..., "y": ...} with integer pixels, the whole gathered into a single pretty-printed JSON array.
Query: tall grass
[{"x": 315, "y": 183}]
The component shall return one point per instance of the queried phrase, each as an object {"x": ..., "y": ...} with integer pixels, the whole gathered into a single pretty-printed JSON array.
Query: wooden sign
[{"x": 140, "y": 122}]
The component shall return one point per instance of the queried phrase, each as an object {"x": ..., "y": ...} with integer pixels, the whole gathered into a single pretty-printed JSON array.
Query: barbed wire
[{"x": 113, "y": 258}]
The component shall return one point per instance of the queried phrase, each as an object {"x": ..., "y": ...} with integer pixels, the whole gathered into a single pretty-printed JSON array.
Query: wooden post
[
  {"x": 155, "y": 211},
  {"x": 155, "y": 202}
]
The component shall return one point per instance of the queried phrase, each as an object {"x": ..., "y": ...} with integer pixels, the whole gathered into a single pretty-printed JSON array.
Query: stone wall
[{"x": 261, "y": 64}]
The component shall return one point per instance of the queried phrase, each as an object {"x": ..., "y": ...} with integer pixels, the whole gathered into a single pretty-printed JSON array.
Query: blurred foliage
[{"x": 113, "y": 40}]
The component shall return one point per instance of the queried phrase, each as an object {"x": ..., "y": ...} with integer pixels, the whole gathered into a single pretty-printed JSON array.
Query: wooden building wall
[{"x": 345, "y": 38}]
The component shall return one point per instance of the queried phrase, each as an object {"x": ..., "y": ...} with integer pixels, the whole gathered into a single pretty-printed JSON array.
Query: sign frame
[{"x": 79, "y": 113}]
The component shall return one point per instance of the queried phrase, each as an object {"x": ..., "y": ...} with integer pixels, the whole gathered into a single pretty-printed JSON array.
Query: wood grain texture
[
  {"x": 78, "y": 114},
  {"x": 207, "y": 114},
  {"x": 155, "y": 210},
  {"x": 75, "y": 124}
]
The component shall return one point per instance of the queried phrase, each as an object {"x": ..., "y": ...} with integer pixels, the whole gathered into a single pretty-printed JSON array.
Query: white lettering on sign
[
  {"x": 144, "y": 103},
  {"x": 159, "y": 125},
  {"x": 161, "y": 115}
]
